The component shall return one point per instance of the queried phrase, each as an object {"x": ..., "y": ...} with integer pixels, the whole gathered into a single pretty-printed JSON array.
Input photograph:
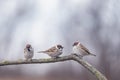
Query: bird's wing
[
  {"x": 24, "y": 50},
  {"x": 85, "y": 49},
  {"x": 52, "y": 49}
]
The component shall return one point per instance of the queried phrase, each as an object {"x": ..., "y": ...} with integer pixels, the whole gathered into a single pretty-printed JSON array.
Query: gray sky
[{"x": 45, "y": 23}]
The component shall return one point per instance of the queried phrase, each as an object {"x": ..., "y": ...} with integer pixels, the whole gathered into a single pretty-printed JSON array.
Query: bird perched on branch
[
  {"x": 54, "y": 51},
  {"x": 81, "y": 50},
  {"x": 28, "y": 52}
]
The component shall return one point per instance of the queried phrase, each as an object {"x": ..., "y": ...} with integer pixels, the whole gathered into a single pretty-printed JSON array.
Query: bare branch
[{"x": 74, "y": 57}]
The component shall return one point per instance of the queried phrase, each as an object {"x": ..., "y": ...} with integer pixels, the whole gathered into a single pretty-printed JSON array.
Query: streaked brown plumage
[
  {"x": 81, "y": 50},
  {"x": 54, "y": 51}
]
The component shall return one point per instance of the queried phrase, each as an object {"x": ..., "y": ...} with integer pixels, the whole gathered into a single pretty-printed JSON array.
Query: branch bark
[{"x": 73, "y": 57}]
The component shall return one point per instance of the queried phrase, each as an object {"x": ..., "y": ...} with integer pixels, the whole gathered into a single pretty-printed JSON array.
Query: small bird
[
  {"x": 28, "y": 52},
  {"x": 54, "y": 51},
  {"x": 81, "y": 50}
]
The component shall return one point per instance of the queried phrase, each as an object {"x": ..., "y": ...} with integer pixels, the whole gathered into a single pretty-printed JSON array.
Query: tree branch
[{"x": 74, "y": 57}]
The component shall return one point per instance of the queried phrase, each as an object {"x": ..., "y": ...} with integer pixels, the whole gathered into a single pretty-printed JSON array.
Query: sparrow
[
  {"x": 81, "y": 50},
  {"x": 54, "y": 51},
  {"x": 28, "y": 52}
]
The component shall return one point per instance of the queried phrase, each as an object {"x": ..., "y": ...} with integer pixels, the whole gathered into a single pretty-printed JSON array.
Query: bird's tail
[
  {"x": 92, "y": 54},
  {"x": 40, "y": 51}
]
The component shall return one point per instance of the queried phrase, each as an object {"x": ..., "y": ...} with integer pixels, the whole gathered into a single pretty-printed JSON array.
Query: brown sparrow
[
  {"x": 81, "y": 50},
  {"x": 28, "y": 52},
  {"x": 54, "y": 51}
]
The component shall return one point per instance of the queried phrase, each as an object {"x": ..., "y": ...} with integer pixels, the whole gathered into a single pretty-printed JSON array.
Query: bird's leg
[
  {"x": 55, "y": 57},
  {"x": 74, "y": 54},
  {"x": 28, "y": 59},
  {"x": 80, "y": 56}
]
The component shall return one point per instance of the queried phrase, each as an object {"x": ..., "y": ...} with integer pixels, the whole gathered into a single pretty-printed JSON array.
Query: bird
[
  {"x": 28, "y": 52},
  {"x": 81, "y": 50},
  {"x": 54, "y": 51}
]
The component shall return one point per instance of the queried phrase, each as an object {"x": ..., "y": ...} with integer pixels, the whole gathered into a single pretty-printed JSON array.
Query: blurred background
[{"x": 45, "y": 23}]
